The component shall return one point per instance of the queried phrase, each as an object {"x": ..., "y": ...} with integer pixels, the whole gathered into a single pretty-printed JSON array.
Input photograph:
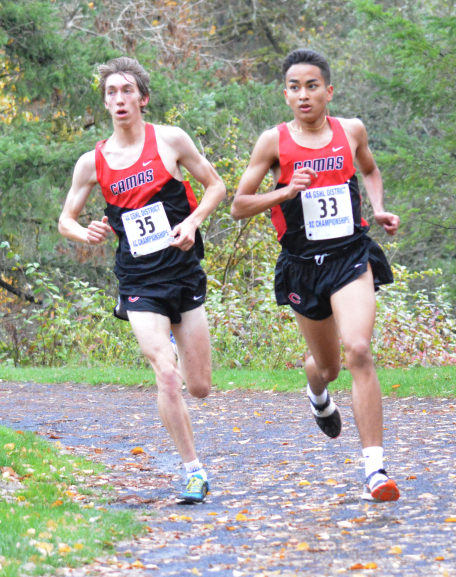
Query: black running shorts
[
  {"x": 307, "y": 283},
  {"x": 170, "y": 298}
]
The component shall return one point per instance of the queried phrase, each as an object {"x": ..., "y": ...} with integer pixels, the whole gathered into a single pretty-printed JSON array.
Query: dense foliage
[
  {"x": 215, "y": 71},
  {"x": 74, "y": 324}
]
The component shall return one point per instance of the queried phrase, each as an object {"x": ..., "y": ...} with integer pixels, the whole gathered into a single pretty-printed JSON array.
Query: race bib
[
  {"x": 147, "y": 229},
  {"x": 328, "y": 212}
]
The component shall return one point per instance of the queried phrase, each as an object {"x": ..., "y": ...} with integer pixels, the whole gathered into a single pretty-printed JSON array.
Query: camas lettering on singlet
[
  {"x": 321, "y": 164},
  {"x": 132, "y": 181}
]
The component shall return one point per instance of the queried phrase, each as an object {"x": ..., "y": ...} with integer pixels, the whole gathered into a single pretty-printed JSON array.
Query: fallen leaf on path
[{"x": 357, "y": 566}]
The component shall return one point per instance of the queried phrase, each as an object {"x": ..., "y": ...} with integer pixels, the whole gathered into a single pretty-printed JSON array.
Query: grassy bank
[
  {"x": 416, "y": 381},
  {"x": 49, "y": 517}
]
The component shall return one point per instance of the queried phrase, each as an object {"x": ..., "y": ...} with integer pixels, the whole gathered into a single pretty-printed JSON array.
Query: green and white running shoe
[{"x": 195, "y": 491}]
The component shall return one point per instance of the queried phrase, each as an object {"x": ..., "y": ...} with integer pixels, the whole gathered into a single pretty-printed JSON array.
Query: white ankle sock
[
  {"x": 373, "y": 459},
  {"x": 317, "y": 399},
  {"x": 195, "y": 468}
]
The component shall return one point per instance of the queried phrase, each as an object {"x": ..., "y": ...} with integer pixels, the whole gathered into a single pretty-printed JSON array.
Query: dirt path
[{"x": 284, "y": 500}]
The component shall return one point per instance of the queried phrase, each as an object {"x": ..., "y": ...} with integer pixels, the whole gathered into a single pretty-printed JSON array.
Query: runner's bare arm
[
  {"x": 265, "y": 156},
  {"x": 84, "y": 179},
  {"x": 202, "y": 170},
  {"x": 371, "y": 175}
]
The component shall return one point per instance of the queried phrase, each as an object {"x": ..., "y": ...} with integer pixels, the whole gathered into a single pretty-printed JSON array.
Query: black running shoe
[{"x": 327, "y": 417}]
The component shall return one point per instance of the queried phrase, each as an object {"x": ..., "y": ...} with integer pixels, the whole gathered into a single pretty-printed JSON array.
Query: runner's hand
[
  {"x": 97, "y": 231},
  {"x": 301, "y": 179},
  {"x": 184, "y": 235},
  {"x": 389, "y": 221}
]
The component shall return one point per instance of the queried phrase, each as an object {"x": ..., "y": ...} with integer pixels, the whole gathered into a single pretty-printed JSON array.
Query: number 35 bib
[
  {"x": 147, "y": 229},
  {"x": 328, "y": 212}
]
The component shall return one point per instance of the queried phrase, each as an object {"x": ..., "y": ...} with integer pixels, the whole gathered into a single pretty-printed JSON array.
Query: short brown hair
[{"x": 124, "y": 65}]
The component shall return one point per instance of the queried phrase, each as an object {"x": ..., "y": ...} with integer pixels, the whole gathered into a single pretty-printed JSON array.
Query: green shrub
[
  {"x": 75, "y": 325},
  {"x": 414, "y": 328}
]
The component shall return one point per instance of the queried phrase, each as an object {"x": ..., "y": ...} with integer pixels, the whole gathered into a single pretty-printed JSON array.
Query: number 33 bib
[
  {"x": 147, "y": 229},
  {"x": 328, "y": 212}
]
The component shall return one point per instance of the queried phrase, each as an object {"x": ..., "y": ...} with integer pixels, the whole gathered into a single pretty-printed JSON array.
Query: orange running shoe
[{"x": 379, "y": 487}]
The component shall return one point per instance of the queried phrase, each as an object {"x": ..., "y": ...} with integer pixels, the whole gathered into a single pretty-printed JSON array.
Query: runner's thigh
[
  {"x": 152, "y": 332},
  {"x": 354, "y": 307},
  {"x": 322, "y": 338},
  {"x": 194, "y": 349}
]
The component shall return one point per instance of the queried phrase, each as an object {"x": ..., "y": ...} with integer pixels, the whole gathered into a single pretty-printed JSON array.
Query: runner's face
[
  {"x": 122, "y": 97},
  {"x": 306, "y": 92}
]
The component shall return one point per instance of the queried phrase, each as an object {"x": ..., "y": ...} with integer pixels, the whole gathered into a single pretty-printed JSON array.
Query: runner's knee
[
  {"x": 358, "y": 353},
  {"x": 326, "y": 373},
  {"x": 169, "y": 382},
  {"x": 167, "y": 375},
  {"x": 330, "y": 373},
  {"x": 200, "y": 388}
]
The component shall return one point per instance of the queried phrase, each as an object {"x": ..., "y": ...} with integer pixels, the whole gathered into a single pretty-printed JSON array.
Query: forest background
[{"x": 216, "y": 72}]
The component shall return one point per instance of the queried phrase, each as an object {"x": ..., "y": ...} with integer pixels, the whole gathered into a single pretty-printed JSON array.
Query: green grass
[
  {"x": 416, "y": 381},
  {"x": 48, "y": 518}
]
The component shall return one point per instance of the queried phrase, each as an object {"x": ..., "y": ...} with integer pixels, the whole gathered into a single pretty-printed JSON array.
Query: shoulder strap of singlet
[
  {"x": 99, "y": 159},
  {"x": 337, "y": 128},
  {"x": 283, "y": 130},
  {"x": 285, "y": 140},
  {"x": 150, "y": 144}
]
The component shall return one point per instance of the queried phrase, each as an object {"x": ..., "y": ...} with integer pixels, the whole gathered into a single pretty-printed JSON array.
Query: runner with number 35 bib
[{"x": 155, "y": 216}]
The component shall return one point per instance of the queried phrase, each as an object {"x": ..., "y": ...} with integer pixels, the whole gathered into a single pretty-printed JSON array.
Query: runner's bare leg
[{"x": 152, "y": 331}]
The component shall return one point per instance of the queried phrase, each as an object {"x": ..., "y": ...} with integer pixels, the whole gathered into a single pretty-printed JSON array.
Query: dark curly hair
[{"x": 303, "y": 56}]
